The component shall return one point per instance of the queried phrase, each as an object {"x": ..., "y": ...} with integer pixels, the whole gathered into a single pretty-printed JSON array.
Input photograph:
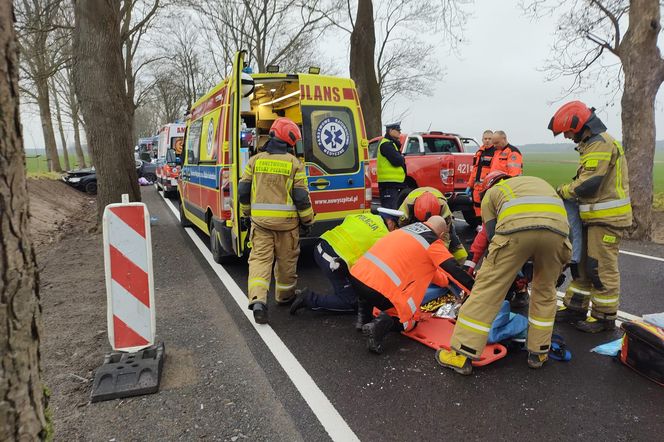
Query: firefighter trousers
[
  {"x": 278, "y": 248},
  {"x": 596, "y": 278},
  {"x": 507, "y": 254}
]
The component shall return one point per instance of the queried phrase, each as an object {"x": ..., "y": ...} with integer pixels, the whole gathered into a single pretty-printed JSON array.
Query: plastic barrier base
[
  {"x": 129, "y": 374},
  {"x": 437, "y": 333}
]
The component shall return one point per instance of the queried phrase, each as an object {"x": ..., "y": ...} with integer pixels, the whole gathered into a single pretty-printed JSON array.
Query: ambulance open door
[{"x": 235, "y": 89}]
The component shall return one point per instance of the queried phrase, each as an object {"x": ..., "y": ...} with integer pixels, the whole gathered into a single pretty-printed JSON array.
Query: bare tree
[
  {"x": 627, "y": 30},
  {"x": 100, "y": 80},
  {"x": 41, "y": 58},
  {"x": 65, "y": 88},
  {"x": 22, "y": 399},
  {"x": 61, "y": 128}
]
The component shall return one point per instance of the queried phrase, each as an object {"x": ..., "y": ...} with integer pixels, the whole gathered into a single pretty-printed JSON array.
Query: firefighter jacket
[
  {"x": 355, "y": 235},
  {"x": 601, "y": 184},
  {"x": 481, "y": 165},
  {"x": 273, "y": 189},
  {"x": 390, "y": 164},
  {"x": 402, "y": 264},
  {"x": 524, "y": 203},
  {"x": 451, "y": 240},
  {"x": 507, "y": 159}
]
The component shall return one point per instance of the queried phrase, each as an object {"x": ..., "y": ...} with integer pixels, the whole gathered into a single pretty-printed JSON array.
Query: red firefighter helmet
[
  {"x": 571, "y": 116},
  {"x": 426, "y": 206},
  {"x": 493, "y": 177},
  {"x": 285, "y": 130}
]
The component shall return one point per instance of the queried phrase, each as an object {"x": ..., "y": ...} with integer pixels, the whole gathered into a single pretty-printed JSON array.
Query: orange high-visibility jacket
[
  {"x": 481, "y": 168},
  {"x": 508, "y": 160},
  {"x": 402, "y": 264}
]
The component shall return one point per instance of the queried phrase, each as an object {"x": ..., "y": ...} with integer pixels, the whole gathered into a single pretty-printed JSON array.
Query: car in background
[
  {"x": 147, "y": 170},
  {"x": 84, "y": 180}
]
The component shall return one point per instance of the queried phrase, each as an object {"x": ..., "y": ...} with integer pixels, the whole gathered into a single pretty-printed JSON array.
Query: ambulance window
[
  {"x": 193, "y": 141},
  {"x": 329, "y": 138}
]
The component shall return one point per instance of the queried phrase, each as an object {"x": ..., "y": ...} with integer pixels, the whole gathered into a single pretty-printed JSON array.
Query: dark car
[
  {"x": 84, "y": 180},
  {"x": 147, "y": 170}
]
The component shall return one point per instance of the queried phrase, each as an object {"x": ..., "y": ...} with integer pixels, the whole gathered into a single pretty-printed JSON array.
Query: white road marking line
[
  {"x": 622, "y": 316},
  {"x": 640, "y": 255},
  {"x": 328, "y": 416}
]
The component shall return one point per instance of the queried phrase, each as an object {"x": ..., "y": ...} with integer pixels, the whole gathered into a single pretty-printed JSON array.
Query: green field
[
  {"x": 560, "y": 167},
  {"x": 37, "y": 165}
]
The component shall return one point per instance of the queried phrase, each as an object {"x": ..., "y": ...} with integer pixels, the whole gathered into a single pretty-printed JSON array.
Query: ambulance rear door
[
  {"x": 334, "y": 143},
  {"x": 235, "y": 85}
]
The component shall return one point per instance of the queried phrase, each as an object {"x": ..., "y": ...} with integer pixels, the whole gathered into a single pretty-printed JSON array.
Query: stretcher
[{"x": 437, "y": 333}]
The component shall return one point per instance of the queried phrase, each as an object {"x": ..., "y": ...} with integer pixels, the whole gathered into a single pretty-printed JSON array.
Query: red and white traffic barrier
[{"x": 129, "y": 277}]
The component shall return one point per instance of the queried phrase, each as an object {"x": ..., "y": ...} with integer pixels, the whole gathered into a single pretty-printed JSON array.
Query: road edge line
[
  {"x": 331, "y": 420},
  {"x": 641, "y": 255}
]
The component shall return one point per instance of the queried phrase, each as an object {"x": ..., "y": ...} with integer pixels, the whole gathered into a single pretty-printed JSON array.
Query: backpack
[{"x": 643, "y": 350}]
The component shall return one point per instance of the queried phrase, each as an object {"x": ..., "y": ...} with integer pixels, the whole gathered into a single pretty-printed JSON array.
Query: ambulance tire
[
  {"x": 471, "y": 219},
  {"x": 217, "y": 251},
  {"x": 184, "y": 222}
]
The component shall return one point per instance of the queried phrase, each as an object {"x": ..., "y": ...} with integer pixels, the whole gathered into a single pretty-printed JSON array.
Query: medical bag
[{"x": 643, "y": 350}]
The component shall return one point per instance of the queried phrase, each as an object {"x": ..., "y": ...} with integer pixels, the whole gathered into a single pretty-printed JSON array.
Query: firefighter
[
  {"x": 602, "y": 191},
  {"x": 506, "y": 158},
  {"x": 422, "y": 203},
  {"x": 273, "y": 192},
  {"x": 395, "y": 272},
  {"x": 337, "y": 252},
  {"x": 524, "y": 219},
  {"x": 481, "y": 167},
  {"x": 390, "y": 166}
]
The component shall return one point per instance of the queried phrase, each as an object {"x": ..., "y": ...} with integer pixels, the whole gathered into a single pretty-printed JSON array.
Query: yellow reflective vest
[
  {"x": 355, "y": 235},
  {"x": 602, "y": 158},
  {"x": 385, "y": 171},
  {"x": 524, "y": 203}
]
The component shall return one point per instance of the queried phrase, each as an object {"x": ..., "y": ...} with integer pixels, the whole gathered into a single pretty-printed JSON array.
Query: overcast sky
[{"x": 495, "y": 83}]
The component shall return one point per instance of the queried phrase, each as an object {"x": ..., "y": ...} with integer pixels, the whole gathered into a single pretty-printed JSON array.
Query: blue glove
[{"x": 469, "y": 191}]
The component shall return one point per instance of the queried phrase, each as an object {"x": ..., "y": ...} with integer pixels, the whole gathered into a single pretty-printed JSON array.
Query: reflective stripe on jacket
[
  {"x": 523, "y": 203},
  {"x": 481, "y": 165},
  {"x": 386, "y": 172},
  {"x": 355, "y": 235},
  {"x": 401, "y": 265},
  {"x": 601, "y": 184}
]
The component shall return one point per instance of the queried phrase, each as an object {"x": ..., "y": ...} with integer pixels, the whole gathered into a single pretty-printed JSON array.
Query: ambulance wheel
[
  {"x": 472, "y": 220},
  {"x": 215, "y": 247},
  {"x": 184, "y": 222}
]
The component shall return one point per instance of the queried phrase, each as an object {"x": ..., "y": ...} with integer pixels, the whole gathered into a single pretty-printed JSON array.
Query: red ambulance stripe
[
  {"x": 126, "y": 337},
  {"x": 129, "y": 276},
  {"x": 133, "y": 216},
  {"x": 348, "y": 93}
]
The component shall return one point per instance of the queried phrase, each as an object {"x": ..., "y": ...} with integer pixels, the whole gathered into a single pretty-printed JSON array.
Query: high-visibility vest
[
  {"x": 611, "y": 204},
  {"x": 401, "y": 265},
  {"x": 273, "y": 178},
  {"x": 524, "y": 203},
  {"x": 409, "y": 201},
  {"x": 385, "y": 171},
  {"x": 355, "y": 235},
  {"x": 481, "y": 165}
]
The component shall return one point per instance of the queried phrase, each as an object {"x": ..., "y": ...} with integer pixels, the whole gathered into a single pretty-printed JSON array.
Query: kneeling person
[
  {"x": 395, "y": 273},
  {"x": 524, "y": 218},
  {"x": 338, "y": 251}
]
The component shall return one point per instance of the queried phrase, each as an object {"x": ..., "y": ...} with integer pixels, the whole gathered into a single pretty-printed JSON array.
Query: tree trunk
[
  {"x": 22, "y": 399},
  {"x": 644, "y": 73},
  {"x": 108, "y": 121},
  {"x": 362, "y": 67},
  {"x": 61, "y": 129},
  {"x": 44, "y": 103},
  {"x": 74, "y": 119}
]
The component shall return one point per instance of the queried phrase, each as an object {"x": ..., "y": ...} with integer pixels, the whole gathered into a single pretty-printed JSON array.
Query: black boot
[
  {"x": 376, "y": 330},
  {"x": 364, "y": 314},
  {"x": 571, "y": 316},
  {"x": 260, "y": 312},
  {"x": 592, "y": 325},
  {"x": 300, "y": 300}
]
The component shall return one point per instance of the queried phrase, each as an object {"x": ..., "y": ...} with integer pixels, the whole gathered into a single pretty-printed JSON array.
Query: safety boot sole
[
  {"x": 466, "y": 369},
  {"x": 596, "y": 326}
]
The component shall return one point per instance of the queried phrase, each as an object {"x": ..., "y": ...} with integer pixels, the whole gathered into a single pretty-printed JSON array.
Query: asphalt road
[{"x": 403, "y": 394}]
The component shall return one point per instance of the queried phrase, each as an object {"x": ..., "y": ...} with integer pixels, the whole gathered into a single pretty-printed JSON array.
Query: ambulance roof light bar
[
  {"x": 314, "y": 70},
  {"x": 272, "y": 68}
]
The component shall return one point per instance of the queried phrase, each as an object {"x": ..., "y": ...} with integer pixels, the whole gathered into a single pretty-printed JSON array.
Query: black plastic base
[{"x": 129, "y": 374}]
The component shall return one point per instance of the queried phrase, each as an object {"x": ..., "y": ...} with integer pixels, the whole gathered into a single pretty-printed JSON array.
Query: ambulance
[
  {"x": 232, "y": 121},
  {"x": 169, "y": 157}
]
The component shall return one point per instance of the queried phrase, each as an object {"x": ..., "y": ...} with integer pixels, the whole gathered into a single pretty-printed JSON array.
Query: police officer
[
  {"x": 422, "y": 203},
  {"x": 481, "y": 168},
  {"x": 273, "y": 192},
  {"x": 602, "y": 191},
  {"x": 394, "y": 273},
  {"x": 337, "y": 252},
  {"x": 390, "y": 166},
  {"x": 524, "y": 218}
]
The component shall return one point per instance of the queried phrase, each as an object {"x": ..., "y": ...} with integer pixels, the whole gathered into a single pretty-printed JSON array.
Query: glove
[
  {"x": 469, "y": 191},
  {"x": 469, "y": 267},
  {"x": 306, "y": 229},
  {"x": 245, "y": 223},
  {"x": 564, "y": 191}
]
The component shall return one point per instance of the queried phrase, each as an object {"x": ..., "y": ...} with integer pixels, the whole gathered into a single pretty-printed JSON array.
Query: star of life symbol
[{"x": 333, "y": 137}]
